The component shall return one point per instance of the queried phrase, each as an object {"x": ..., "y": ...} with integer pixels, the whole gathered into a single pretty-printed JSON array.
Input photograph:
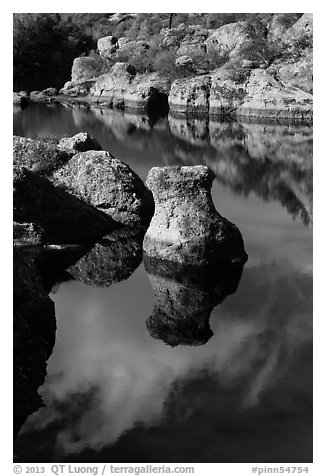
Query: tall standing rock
[{"x": 186, "y": 228}]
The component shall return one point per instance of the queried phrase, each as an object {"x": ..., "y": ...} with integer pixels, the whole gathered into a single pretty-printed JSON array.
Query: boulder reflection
[{"x": 184, "y": 299}]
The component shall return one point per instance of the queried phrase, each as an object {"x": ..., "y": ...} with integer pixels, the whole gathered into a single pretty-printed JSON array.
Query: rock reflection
[
  {"x": 111, "y": 260},
  {"x": 184, "y": 299}
]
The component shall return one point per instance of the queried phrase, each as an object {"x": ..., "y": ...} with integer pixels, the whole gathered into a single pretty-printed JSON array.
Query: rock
[
  {"x": 122, "y": 88},
  {"x": 85, "y": 68},
  {"x": 109, "y": 185},
  {"x": 190, "y": 95},
  {"x": 27, "y": 234},
  {"x": 112, "y": 260},
  {"x": 229, "y": 39},
  {"x": 279, "y": 24},
  {"x": 184, "y": 299},
  {"x": 297, "y": 71},
  {"x": 81, "y": 142},
  {"x": 107, "y": 45},
  {"x": 113, "y": 85},
  {"x": 248, "y": 93},
  {"x": 186, "y": 228},
  {"x": 266, "y": 96},
  {"x": 39, "y": 155},
  {"x": 192, "y": 49},
  {"x": 300, "y": 31},
  {"x": 184, "y": 61},
  {"x": 63, "y": 217},
  {"x": 137, "y": 48},
  {"x": 122, "y": 41},
  {"x": 21, "y": 99},
  {"x": 49, "y": 92}
]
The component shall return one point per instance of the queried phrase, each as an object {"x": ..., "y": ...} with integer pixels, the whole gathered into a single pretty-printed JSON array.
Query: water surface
[{"x": 113, "y": 392}]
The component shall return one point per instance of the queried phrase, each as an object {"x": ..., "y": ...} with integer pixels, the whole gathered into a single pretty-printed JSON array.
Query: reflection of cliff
[
  {"x": 184, "y": 299},
  {"x": 35, "y": 271},
  {"x": 272, "y": 160}
]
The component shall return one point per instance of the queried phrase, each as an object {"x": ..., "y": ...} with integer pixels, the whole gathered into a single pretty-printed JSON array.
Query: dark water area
[
  {"x": 29, "y": 81},
  {"x": 121, "y": 385}
]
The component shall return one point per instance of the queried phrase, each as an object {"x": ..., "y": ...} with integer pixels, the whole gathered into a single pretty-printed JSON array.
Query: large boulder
[
  {"x": 186, "y": 228},
  {"x": 58, "y": 216},
  {"x": 109, "y": 185}
]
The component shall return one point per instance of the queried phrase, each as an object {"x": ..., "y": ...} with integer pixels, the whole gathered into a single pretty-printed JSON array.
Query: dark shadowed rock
[
  {"x": 184, "y": 299},
  {"x": 109, "y": 185},
  {"x": 111, "y": 260},
  {"x": 63, "y": 217},
  {"x": 186, "y": 228}
]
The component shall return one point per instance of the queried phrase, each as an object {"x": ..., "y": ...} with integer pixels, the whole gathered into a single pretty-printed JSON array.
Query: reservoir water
[{"x": 115, "y": 390}]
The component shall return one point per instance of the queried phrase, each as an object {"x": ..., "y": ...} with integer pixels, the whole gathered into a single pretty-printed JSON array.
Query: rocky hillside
[{"x": 260, "y": 65}]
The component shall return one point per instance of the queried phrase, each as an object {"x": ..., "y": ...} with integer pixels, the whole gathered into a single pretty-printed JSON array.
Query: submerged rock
[
  {"x": 60, "y": 217},
  {"x": 109, "y": 185},
  {"x": 184, "y": 299},
  {"x": 186, "y": 228}
]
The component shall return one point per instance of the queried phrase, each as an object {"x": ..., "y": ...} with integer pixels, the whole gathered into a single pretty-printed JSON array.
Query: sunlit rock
[
  {"x": 186, "y": 228},
  {"x": 109, "y": 185},
  {"x": 62, "y": 217}
]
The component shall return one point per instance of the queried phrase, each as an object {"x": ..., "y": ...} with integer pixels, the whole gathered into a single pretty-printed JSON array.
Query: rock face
[
  {"x": 109, "y": 185},
  {"x": 58, "y": 216},
  {"x": 190, "y": 95},
  {"x": 261, "y": 95},
  {"x": 84, "y": 68},
  {"x": 121, "y": 87},
  {"x": 112, "y": 260},
  {"x": 184, "y": 299},
  {"x": 186, "y": 228}
]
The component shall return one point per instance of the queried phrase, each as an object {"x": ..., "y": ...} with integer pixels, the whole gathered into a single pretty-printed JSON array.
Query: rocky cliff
[{"x": 258, "y": 67}]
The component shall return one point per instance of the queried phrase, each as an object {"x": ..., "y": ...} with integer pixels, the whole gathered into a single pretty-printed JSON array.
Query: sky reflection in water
[{"x": 113, "y": 393}]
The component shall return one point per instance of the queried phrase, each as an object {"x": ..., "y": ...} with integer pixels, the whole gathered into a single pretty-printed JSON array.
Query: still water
[{"x": 115, "y": 390}]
